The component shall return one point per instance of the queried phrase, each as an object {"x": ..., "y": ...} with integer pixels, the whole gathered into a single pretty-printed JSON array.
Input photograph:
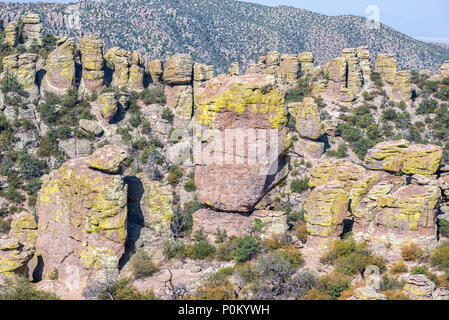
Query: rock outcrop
[
  {"x": 60, "y": 68},
  {"x": 120, "y": 60},
  {"x": 178, "y": 70},
  {"x": 325, "y": 209},
  {"x": 419, "y": 286},
  {"x": 82, "y": 220},
  {"x": 18, "y": 248},
  {"x": 306, "y": 60},
  {"x": 238, "y": 105},
  {"x": 422, "y": 159},
  {"x": 136, "y": 72},
  {"x": 107, "y": 105},
  {"x": 33, "y": 29},
  {"x": 12, "y": 33},
  {"x": 387, "y": 156},
  {"x": 156, "y": 70},
  {"x": 307, "y": 115},
  {"x": 386, "y": 66},
  {"x": 91, "y": 48},
  {"x": 234, "y": 69},
  {"x": 23, "y": 67}
]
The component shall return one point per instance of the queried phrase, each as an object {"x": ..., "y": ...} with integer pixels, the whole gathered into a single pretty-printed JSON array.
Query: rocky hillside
[
  {"x": 219, "y": 32},
  {"x": 126, "y": 180}
]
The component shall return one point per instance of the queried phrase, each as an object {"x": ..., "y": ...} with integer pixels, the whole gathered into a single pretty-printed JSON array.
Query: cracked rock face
[
  {"x": 82, "y": 220},
  {"x": 238, "y": 179}
]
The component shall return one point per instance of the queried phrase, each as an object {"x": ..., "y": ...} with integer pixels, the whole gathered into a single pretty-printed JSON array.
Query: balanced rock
[
  {"x": 82, "y": 221},
  {"x": 91, "y": 48},
  {"x": 308, "y": 123},
  {"x": 178, "y": 69},
  {"x": 422, "y": 159},
  {"x": 340, "y": 170},
  {"x": 248, "y": 108},
  {"x": 365, "y": 62},
  {"x": 33, "y": 29},
  {"x": 387, "y": 156},
  {"x": 386, "y": 66},
  {"x": 60, "y": 68},
  {"x": 12, "y": 33}
]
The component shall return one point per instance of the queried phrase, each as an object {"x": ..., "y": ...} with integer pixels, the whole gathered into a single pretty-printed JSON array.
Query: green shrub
[
  {"x": 174, "y": 175},
  {"x": 349, "y": 257},
  {"x": 245, "y": 249},
  {"x": 440, "y": 257},
  {"x": 202, "y": 250},
  {"x": 297, "y": 94},
  {"x": 444, "y": 227},
  {"x": 299, "y": 185},
  {"x": 168, "y": 115},
  {"x": 5, "y": 226},
  {"x": 124, "y": 290},
  {"x": 142, "y": 265},
  {"x": 19, "y": 288},
  {"x": 153, "y": 95},
  {"x": 190, "y": 186},
  {"x": 411, "y": 252}
]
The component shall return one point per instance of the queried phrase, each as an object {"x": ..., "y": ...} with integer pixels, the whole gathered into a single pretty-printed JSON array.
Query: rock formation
[
  {"x": 178, "y": 70},
  {"x": 12, "y": 33},
  {"x": 234, "y": 69},
  {"x": 156, "y": 70},
  {"x": 91, "y": 48},
  {"x": 82, "y": 219},
  {"x": 402, "y": 88},
  {"x": 306, "y": 60},
  {"x": 120, "y": 60},
  {"x": 23, "y": 67},
  {"x": 33, "y": 29},
  {"x": 136, "y": 72},
  {"x": 307, "y": 115},
  {"x": 386, "y": 66},
  {"x": 60, "y": 68},
  {"x": 237, "y": 181},
  {"x": 17, "y": 249},
  {"x": 107, "y": 105}
]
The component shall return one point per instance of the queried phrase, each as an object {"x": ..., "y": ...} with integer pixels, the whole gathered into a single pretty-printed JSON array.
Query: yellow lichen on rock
[
  {"x": 422, "y": 159},
  {"x": 387, "y": 156}
]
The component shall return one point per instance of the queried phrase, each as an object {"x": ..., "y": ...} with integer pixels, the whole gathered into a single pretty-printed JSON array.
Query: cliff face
[{"x": 219, "y": 33}]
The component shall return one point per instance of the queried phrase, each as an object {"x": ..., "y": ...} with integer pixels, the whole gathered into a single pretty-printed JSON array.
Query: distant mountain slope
[{"x": 219, "y": 32}]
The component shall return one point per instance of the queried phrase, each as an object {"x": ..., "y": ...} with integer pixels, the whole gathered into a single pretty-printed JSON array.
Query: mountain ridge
[{"x": 220, "y": 33}]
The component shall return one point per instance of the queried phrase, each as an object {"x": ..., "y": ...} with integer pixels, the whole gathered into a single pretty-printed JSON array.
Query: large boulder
[
  {"x": 308, "y": 122},
  {"x": 365, "y": 62},
  {"x": 340, "y": 170},
  {"x": 419, "y": 286},
  {"x": 17, "y": 249},
  {"x": 82, "y": 220},
  {"x": 178, "y": 69},
  {"x": 325, "y": 209},
  {"x": 107, "y": 105},
  {"x": 180, "y": 101},
  {"x": 422, "y": 159},
  {"x": 289, "y": 67},
  {"x": 387, "y": 156},
  {"x": 355, "y": 74},
  {"x": 33, "y": 29},
  {"x": 402, "y": 87},
  {"x": 239, "y": 107},
  {"x": 91, "y": 48},
  {"x": 60, "y": 68}
]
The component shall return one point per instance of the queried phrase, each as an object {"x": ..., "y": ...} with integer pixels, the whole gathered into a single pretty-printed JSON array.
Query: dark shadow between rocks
[
  {"x": 38, "y": 270},
  {"x": 39, "y": 77},
  {"x": 135, "y": 219}
]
